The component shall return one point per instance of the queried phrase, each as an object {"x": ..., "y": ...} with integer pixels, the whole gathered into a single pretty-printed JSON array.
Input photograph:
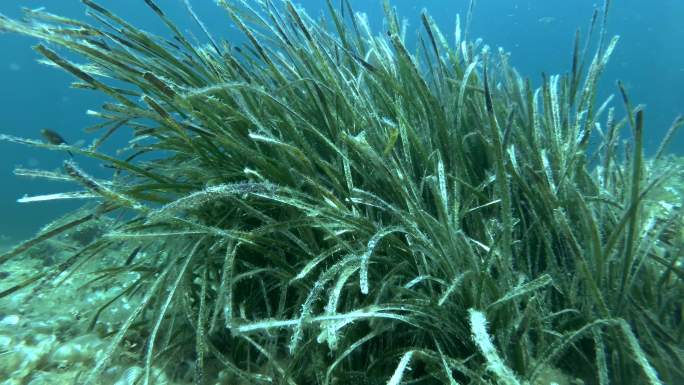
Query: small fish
[
  {"x": 546, "y": 20},
  {"x": 132, "y": 255},
  {"x": 53, "y": 138}
]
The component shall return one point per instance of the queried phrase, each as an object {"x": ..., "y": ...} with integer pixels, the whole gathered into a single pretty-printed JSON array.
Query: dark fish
[
  {"x": 54, "y": 138},
  {"x": 132, "y": 256}
]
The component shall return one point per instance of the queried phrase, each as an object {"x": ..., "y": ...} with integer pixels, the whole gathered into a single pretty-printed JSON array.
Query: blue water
[{"x": 538, "y": 33}]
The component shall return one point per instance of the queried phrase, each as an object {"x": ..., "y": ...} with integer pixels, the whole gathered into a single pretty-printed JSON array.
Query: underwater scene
[{"x": 341, "y": 192}]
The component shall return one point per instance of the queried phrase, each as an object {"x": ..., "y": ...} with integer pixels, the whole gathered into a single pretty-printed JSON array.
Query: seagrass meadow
[{"x": 327, "y": 204}]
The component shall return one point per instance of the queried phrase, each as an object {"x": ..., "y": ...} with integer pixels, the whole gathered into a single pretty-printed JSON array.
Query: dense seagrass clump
[{"x": 324, "y": 205}]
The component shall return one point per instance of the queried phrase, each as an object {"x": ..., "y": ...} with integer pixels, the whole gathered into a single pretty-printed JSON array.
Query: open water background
[{"x": 538, "y": 33}]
